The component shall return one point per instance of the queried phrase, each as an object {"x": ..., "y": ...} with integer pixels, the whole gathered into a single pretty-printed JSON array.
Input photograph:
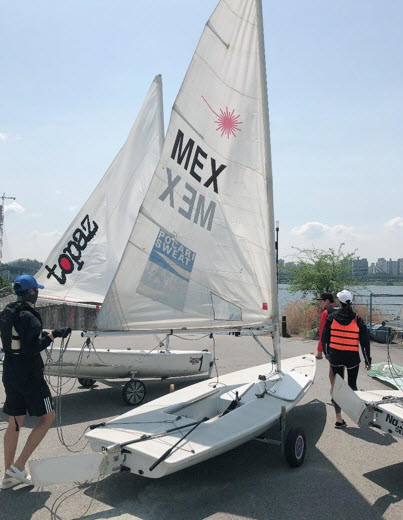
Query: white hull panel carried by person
[
  {"x": 201, "y": 258},
  {"x": 380, "y": 409},
  {"x": 82, "y": 265}
]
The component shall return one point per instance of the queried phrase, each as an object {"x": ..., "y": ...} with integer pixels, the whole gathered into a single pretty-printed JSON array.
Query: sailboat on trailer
[
  {"x": 82, "y": 265},
  {"x": 202, "y": 257}
]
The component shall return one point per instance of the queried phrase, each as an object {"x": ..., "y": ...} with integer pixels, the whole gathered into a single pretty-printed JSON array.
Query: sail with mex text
[
  {"x": 83, "y": 263},
  {"x": 201, "y": 254}
]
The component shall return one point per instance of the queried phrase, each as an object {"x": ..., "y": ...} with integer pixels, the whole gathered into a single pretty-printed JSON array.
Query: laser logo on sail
[
  {"x": 72, "y": 253},
  {"x": 227, "y": 121}
]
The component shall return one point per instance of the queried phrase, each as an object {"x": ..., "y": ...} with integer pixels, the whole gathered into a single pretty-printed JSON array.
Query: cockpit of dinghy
[{"x": 214, "y": 404}]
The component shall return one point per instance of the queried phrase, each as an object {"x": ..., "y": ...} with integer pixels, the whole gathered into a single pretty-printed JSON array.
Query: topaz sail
[
  {"x": 202, "y": 256},
  {"x": 83, "y": 263}
]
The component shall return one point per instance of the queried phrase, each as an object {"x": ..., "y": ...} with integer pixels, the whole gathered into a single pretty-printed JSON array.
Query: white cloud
[
  {"x": 73, "y": 208},
  {"x": 14, "y": 207},
  {"x": 312, "y": 230},
  {"x": 5, "y": 137},
  {"x": 394, "y": 224}
]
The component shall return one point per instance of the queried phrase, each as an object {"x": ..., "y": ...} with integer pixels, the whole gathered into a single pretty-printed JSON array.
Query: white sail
[
  {"x": 201, "y": 254},
  {"x": 83, "y": 263}
]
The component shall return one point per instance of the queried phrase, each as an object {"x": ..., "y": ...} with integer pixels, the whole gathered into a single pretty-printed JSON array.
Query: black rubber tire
[
  {"x": 295, "y": 447},
  {"x": 86, "y": 382},
  {"x": 134, "y": 392}
]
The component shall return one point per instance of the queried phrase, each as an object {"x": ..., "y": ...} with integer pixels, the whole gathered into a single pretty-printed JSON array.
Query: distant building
[
  {"x": 372, "y": 268},
  {"x": 359, "y": 267},
  {"x": 393, "y": 267},
  {"x": 381, "y": 265}
]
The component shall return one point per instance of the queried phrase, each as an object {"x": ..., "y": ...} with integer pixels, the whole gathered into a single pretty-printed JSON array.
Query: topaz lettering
[{"x": 71, "y": 254}]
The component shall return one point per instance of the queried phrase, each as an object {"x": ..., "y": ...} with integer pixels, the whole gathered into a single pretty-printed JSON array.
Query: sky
[{"x": 73, "y": 75}]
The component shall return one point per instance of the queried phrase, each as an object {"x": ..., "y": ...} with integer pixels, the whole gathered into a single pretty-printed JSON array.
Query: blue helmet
[{"x": 25, "y": 282}]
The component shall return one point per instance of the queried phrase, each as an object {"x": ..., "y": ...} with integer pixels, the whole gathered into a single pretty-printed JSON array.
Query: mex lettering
[
  {"x": 71, "y": 255},
  {"x": 193, "y": 159}
]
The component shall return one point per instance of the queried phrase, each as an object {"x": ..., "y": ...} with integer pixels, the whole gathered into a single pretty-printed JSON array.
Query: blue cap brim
[{"x": 40, "y": 286}]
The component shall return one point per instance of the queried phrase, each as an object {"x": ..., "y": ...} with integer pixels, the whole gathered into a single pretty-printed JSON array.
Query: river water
[{"x": 388, "y": 298}]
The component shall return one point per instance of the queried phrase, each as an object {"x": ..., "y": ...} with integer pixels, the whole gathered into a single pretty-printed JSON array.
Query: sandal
[
  {"x": 340, "y": 425},
  {"x": 21, "y": 476},
  {"x": 9, "y": 482}
]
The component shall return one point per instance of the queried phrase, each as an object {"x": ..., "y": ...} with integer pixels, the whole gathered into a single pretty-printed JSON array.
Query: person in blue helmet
[{"x": 25, "y": 387}]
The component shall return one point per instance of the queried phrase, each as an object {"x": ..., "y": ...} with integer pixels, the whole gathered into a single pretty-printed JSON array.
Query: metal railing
[{"x": 369, "y": 300}]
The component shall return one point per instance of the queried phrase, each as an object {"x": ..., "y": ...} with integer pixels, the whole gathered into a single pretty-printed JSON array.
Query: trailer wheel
[
  {"x": 295, "y": 447},
  {"x": 86, "y": 382},
  {"x": 134, "y": 392}
]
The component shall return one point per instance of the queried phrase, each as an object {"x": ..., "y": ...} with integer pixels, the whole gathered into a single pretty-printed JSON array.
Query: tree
[
  {"x": 5, "y": 287},
  {"x": 318, "y": 271}
]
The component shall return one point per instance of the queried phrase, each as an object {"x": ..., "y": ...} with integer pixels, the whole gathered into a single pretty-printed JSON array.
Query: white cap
[{"x": 345, "y": 296}]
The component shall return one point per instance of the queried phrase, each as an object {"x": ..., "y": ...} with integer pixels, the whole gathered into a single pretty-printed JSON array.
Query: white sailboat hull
[
  {"x": 116, "y": 364},
  {"x": 256, "y": 412}
]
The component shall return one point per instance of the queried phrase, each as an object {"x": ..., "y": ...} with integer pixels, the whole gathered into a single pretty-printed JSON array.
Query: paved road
[{"x": 352, "y": 474}]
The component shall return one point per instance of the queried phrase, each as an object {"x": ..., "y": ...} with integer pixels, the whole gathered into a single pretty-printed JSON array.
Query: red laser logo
[{"x": 227, "y": 122}]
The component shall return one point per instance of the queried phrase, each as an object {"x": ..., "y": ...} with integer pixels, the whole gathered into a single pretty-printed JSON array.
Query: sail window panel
[{"x": 224, "y": 310}]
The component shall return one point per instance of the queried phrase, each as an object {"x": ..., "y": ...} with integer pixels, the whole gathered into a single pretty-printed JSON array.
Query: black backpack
[{"x": 8, "y": 318}]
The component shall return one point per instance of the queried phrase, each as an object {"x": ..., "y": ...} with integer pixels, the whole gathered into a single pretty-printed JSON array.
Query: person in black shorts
[{"x": 25, "y": 387}]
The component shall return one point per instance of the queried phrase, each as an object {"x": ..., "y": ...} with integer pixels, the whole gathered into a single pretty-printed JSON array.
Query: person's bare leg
[
  {"x": 331, "y": 378},
  {"x": 11, "y": 441},
  {"x": 34, "y": 439},
  {"x": 339, "y": 418}
]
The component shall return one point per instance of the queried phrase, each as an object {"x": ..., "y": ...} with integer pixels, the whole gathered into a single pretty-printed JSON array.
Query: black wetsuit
[{"x": 25, "y": 386}]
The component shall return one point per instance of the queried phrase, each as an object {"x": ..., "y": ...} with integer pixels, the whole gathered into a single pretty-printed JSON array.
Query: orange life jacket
[{"x": 345, "y": 337}]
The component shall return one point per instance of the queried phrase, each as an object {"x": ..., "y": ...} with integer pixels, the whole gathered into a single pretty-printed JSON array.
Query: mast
[{"x": 269, "y": 184}]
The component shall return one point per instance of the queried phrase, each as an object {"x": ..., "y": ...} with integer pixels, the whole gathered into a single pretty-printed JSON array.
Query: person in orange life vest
[{"x": 342, "y": 334}]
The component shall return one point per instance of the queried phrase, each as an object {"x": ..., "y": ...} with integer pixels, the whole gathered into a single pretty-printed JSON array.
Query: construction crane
[{"x": 3, "y": 198}]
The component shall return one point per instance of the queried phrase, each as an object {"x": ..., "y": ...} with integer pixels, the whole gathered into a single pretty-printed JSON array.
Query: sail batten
[{"x": 205, "y": 227}]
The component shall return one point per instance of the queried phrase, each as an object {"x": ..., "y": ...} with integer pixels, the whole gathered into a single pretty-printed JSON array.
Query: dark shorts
[{"x": 26, "y": 392}]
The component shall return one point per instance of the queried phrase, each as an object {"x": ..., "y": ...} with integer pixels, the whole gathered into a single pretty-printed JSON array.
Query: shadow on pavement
[
  {"x": 390, "y": 479},
  {"x": 31, "y": 498},
  {"x": 370, "y": 435}
]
